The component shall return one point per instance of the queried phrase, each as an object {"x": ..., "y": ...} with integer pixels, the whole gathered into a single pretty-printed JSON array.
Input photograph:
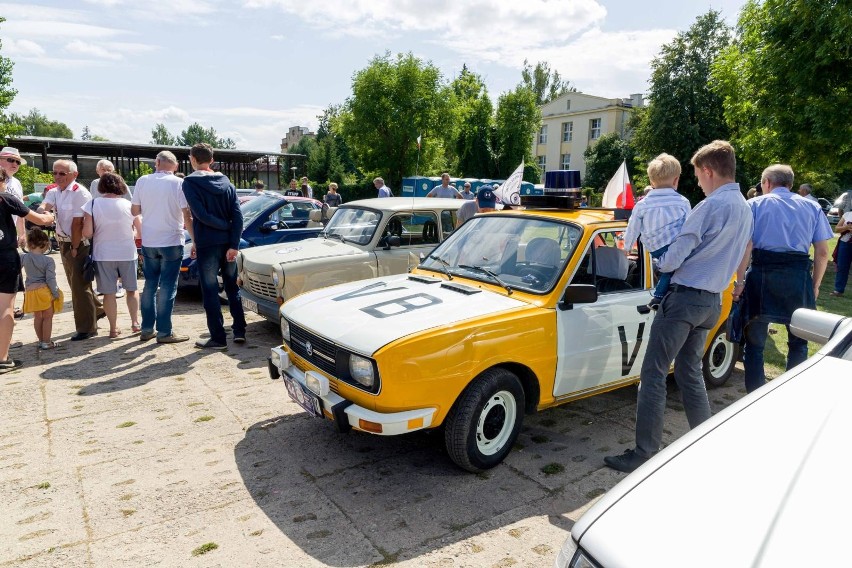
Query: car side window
[
  {"x": 605, "y": 265},
  {"x": 448, "y": 222},
  {"x": 414, "y": 229},
  {"x": 283, "y": 213}
]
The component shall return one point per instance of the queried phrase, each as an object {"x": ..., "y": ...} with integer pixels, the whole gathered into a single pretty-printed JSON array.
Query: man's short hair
[
  {"x": 105, "y": 165},
  {"x": 779, "y": 175},
  {"x": 202, "y": 152},
  {"x": 259, "y": 185},
  {"x": 663, "y": 169},
  {"x": 445, "y": 175},
  {"x": 379, "y": 180},
  {"x": 72, "y": 167},
  {"x": 807, "y": 187},
  {"x": 168, "y": 157},
  {"x": 719, "y": 156},
  {"x": 466, "y": 184}
]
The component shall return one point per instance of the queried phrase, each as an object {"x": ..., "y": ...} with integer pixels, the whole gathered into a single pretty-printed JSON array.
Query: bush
[{"x": 29, "y": 175}]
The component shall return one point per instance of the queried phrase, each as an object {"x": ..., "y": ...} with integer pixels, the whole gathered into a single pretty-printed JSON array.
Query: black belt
[{"x": 682, "y": 288}]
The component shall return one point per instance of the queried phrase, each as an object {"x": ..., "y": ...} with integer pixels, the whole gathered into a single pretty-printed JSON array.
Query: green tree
[
  {"x": 395, "y": 100},
  {"x": 683, "y": 113},
  {"x": 603, "y": 159},
  {"x": 99, "y": 138},
  {"x": 29, "y": 175},
  {"x": 142, "y": 170},
  {"x": 786, "y": 84},
  {"x": 195, "y": 134},
  {"x": 517, "y": 120},
  {"x": 546, "y": 84},
  {"x": 35, "y": 123},
  {"x": 7, "y": 93},
  {"x": 333, "y": 158},
  {"x": 86, "y": 134},
  {"x": 473, "y": 143},
  {"x": 161, "y": 136}
]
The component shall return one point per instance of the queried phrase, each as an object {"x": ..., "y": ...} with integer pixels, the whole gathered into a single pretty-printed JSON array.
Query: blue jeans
[
  {"x": 161, "y": 267},
  {"x": 844, "y": 261},
  {"x": 665, "y": 277},
  {"x": 756, "y": 333},
  {"x": 212, "y": 260},
  {"x": 678, "y": 334}
]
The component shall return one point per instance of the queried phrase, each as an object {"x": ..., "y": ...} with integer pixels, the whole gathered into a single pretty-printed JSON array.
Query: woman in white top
[{"x": 109, "y": 223}]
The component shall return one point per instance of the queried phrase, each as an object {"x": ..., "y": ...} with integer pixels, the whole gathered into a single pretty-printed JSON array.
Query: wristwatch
[{"x": 738, "y": 283}]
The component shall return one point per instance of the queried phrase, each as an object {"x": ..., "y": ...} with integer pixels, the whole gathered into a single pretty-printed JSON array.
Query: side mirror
[
  {"x": 269, "y": 226},
  {"x": 388, "y": 241},
  {"x": 578, "y": 294}
]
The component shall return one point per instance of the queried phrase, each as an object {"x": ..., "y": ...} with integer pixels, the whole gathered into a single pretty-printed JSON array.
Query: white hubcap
[
  {"x": 496, "y": 422},
  {"x": 721, "y": 356}
]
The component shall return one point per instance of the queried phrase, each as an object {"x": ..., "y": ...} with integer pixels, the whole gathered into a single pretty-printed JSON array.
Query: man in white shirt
[
  {"x": 160, "y": 200},
  {"x": 68, "y": 199},
  {"x": 445, "y": 189},
  {"x": 805, "y": 190}
]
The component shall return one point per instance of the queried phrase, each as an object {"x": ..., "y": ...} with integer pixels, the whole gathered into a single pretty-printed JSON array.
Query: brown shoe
[
  {"x": 836, "y": 294},
  {"x": 173, "y": 338}
]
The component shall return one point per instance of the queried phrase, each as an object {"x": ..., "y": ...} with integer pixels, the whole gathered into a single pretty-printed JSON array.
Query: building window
[
  {"x": 566, "y": 161},
  {"x": 542, "y": 135},
  {"x": 568, "y": 104},
  {"x": 542, "y": 164},
  {"x": 594, "y": 129},
  {"x": 567, "y": 131}
]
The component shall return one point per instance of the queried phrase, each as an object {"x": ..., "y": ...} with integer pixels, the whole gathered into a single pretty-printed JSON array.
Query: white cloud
[
  {"x": 22, "y": 48},
  {"x": 16, "y": 12},
  {"x": 80, "y": 47},
  {"x": 35, "y": 29},
  {"x": 277, "y": 37}
]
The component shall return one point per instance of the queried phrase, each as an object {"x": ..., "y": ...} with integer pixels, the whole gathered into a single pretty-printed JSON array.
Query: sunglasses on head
[{"x": 13, "y": 161}]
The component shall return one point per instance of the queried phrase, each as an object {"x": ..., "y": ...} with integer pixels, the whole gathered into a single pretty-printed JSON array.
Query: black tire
[
  {"x": 496, "y": 399},
  {"x": 719, "y": 361}
]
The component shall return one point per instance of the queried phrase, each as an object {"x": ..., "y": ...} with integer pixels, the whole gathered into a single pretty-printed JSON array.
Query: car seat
[
  {"x": 314, "y": 218},
  {"x": 542, "y": 250},
  {"x": 430, "y": 232},
  {"x": 612, "y": 266}
]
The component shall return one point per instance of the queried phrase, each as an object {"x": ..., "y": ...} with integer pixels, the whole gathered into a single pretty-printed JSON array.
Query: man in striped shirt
[
  {"x": 657, "y": 218},
  {"x": 703, "y": 258}
]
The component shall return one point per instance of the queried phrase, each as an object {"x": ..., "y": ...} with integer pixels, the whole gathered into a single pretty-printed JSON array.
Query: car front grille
[
  {"x": 260, "y": 285},
  {"x": 310, "y": 346}
]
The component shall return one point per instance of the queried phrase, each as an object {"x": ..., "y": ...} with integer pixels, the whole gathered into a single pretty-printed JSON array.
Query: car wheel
[
  {"x": 485, "y": 421},
  {"x": 719, "y": 361}
]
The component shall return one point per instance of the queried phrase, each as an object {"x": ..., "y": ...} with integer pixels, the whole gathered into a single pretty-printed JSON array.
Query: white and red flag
[{"x": 619, "y": 191}]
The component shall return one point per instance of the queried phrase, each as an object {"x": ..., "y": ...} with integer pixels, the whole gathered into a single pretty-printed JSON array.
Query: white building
[
  {"x": 293, "y": 136},
  {"x": 573, "y": 122}
]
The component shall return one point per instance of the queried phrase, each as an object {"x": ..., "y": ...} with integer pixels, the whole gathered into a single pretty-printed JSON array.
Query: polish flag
[{"x": 619, "y": 191}]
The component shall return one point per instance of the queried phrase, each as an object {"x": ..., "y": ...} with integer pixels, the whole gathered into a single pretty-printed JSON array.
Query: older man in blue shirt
[
  {"x": 779, "y": 280},
  {"x": 703, "y": 258}
]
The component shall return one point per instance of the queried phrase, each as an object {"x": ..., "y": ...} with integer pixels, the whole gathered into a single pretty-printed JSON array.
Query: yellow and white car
[{"x": 517, "y": 311}]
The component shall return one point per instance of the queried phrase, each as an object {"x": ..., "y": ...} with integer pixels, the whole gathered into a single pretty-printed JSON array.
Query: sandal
[
  {"x": 46, "y": 345},
  {"x": 9, "y": 365},
  {"x": 136, "y": 328},
  {"x": 114, "y": 333}
]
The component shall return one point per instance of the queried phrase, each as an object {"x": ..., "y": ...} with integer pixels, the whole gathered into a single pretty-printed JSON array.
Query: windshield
[
  {"x": 353, "y": 224},
  {"x": 523, "y": 253},
  {"x": 254, "y": 207}
]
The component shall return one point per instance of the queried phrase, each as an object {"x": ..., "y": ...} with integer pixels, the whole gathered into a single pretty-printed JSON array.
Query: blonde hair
[
  {"x": 663, "y": 170},
  {"x": 333, "y": 186},
  {"x": 719, "y": 156}
]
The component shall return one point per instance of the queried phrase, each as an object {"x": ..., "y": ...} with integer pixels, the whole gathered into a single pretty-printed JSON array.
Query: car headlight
[
  {"x": 285, "y": 329},
  {"x": 582, "y": 560},
  {"x": 278, "y": 276},
  {"x": 361, "y": 370}
]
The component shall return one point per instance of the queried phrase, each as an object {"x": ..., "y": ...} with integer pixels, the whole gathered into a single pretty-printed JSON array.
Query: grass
[
  {"x": 553, "y": 468},
  {"x": 205, "y": 418},
  {"x": 775, "y": 354},
  {"x": 127, "y": 424},
  {"x": 43, "y": 485},
  {"x": 205, "y": 548}
]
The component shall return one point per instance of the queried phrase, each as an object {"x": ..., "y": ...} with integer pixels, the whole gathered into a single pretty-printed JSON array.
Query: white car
[{"x": 764, "y": 483}]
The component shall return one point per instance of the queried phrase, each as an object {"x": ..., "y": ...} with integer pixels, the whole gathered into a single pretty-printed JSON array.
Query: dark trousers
[
  {"x": 212, "y": 260},
  {"x": 83, "y": 300}
]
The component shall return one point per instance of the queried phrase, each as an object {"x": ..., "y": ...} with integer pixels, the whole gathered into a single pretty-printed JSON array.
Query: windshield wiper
[
  {"x": 444, "y": 264},
  {"x": 338, "y": 236},
  {"x": 489, "y": 273}
]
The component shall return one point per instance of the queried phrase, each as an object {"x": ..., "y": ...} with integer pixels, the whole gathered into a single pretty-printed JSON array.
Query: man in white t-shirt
[
  {"x": 68, "y": 199},
  {"x": 159, "y": 199},
  {"x": 445, "y": 189}
]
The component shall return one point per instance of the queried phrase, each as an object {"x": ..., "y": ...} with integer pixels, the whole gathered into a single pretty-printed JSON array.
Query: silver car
[{"x": 763, "y": 483}]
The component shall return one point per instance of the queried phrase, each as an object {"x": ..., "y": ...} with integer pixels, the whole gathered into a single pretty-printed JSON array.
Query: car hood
[
  {"x": 366, "y": 315},
  {"x": 259, "y": 259},
  {"x": 766, "y": 487}
]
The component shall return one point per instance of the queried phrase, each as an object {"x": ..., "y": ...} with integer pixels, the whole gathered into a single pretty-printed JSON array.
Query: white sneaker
[{"x": 120, "y": 293}]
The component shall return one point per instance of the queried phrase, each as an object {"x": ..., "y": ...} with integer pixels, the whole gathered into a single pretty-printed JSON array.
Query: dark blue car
[{"x": 268, "y": 219}]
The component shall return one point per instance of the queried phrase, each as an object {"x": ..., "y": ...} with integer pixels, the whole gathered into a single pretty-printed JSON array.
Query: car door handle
[{"x": 643, "y": 309}]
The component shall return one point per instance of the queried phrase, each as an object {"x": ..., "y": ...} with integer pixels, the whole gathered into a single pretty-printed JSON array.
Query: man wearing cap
[
  {"x": 445, "y": 189},
  {"x": 485, "y": 201},
  {"x": 67, "y": 200},
  {"x": 467, "y": 193}
]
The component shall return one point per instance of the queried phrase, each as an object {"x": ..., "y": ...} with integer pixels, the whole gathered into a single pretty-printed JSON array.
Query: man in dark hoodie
[{"x": 218, "y": 224}]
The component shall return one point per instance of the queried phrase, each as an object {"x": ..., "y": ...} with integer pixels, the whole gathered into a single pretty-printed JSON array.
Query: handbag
[{"x": 90, "y": 269}]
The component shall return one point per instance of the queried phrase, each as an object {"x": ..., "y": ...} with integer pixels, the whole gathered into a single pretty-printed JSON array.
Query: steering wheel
[{"x": 533, "y": 274}]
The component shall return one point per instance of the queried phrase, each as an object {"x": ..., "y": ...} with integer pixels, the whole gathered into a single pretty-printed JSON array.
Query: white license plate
[
  {"x": 302, "y": 396},
  {"x": 250, "y": 305}
]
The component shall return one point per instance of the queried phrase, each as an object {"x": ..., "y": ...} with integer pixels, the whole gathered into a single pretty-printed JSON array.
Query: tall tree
[
  {"x": 160, "y": 135},
  {"x": 86, "y": 134},
  {"x": 603, "y": 159},
  {"x": 394, "y": 100},
  {"x": 332, "y": 160},
  {"x": 473, "y": 145},
  {"x": 684, "y": 113},
  {"x": 786, "y": 83},
  {"x": 7, "y": 93},
  {"x": 195, "y": 134},
  {"x": 517, "y": 120},
  {"x": 546, "y": 84},
  {"x": 35, "y": 123}
]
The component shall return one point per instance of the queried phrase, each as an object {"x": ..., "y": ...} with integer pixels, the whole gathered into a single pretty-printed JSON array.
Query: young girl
[{"x": 42, "y": 296}]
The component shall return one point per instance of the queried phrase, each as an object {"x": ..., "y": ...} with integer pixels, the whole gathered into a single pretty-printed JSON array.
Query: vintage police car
[
  {"x": 517, "y": 311},
  {"x": 363, "y": 239}
]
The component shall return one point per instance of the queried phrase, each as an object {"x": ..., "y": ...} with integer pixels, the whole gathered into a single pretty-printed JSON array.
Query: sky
[{"x": 253, "y": 68}]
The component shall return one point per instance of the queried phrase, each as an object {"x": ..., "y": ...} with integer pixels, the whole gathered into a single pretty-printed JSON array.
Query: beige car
[{"x": 363, "y": 239}]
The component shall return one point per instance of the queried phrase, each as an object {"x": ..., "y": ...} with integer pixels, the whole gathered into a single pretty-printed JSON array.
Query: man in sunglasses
[{"x": 67, "y": 199}]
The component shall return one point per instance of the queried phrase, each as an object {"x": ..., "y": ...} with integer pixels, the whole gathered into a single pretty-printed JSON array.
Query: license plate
[
  {"x": 302, "y": 396},
  {"x": 250, "y": 305}
]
